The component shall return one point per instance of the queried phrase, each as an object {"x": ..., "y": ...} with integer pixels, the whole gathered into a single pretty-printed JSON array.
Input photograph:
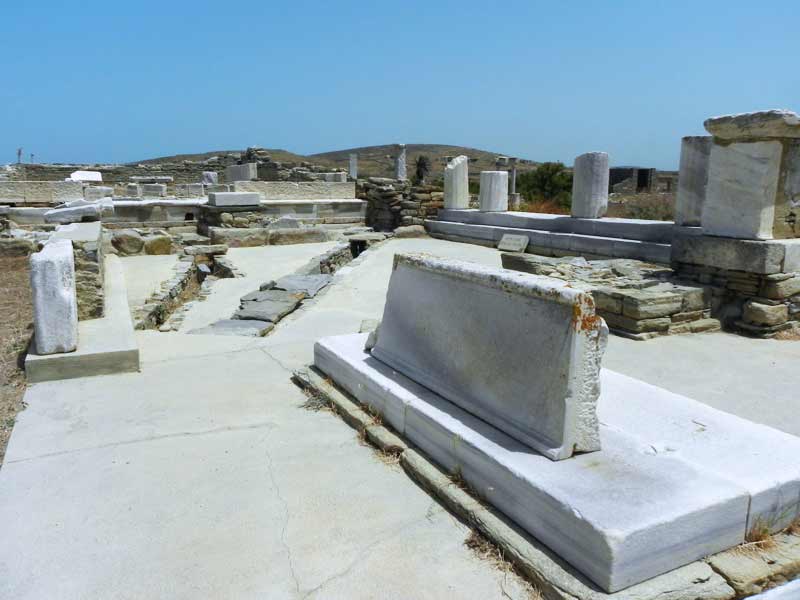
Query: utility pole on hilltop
[
  {"x": 19, "y": 155},
  {"x": 31, "y": 157}
]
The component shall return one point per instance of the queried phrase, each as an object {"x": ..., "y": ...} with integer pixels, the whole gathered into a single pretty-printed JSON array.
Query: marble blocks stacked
[
  {"x": 495, "y": 374},
  {"x": 753, "y": 188}
]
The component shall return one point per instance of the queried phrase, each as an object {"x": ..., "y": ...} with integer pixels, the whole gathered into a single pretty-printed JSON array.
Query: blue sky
[{"x": 116, "y": 82}]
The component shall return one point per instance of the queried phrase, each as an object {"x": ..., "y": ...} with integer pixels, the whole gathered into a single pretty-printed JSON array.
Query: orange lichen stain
[{"x": 582, "y": 321}]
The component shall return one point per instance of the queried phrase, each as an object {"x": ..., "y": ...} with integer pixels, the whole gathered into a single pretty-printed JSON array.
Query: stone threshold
[{"x": 722, "y": 576}]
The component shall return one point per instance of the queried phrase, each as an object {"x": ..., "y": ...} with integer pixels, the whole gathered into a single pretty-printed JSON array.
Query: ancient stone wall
[
  {"x": 757, "y": 304},
  {"x": 392, "y": 203}
]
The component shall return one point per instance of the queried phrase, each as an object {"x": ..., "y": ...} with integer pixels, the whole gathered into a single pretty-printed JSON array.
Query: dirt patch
[
  {"x": 790, "y": 335},
  {"x": 16, "y": 323}
]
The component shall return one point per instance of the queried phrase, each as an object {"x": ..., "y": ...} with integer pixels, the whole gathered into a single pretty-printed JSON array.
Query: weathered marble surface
[
  {"x": 692, "y": 180},
  {"x": 742, "y": 189},
  {"x": 55, "y": 301},
  {"x": 234, "y": 199},
  {"x": 590, "y": 186},
  {"x": 474, "y": 335},
  {"x": 493, "y": 195},
  {"x": 456, "y": 183},
  {"x": 758, "y": 125}
]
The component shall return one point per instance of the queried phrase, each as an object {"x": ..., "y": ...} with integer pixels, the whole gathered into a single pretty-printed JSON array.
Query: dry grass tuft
[
  {"x": 486, "y": 550},
  {"x": 316, "y": 401},
  {"x": 16, "y": 316}
]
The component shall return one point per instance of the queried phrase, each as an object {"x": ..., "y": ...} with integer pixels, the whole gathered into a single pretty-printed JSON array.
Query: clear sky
[{"x": 118, "y": 81}]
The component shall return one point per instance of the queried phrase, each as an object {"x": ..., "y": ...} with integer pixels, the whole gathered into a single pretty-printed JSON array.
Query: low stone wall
[
  {"x": 756, "y": 304},
  {"x": 307, "y": 211},
  {"x": 392, "y": 203},
  {"x": 40, "y": 192},
  {"x": 298, "y": 190}
]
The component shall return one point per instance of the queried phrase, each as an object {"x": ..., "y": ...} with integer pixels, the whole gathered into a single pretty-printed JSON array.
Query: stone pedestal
[
  {"x": 55, "y": 304},
  {"x": 590, "y": 186},
  {"x": 695, "y": 151},
  {"x": 456, "y": 183},
  {"x": 494, "y": 191},
  {"x": 753, "y": 189}
]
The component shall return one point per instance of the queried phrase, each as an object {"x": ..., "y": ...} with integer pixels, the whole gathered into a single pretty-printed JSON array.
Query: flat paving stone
[
  {"x": 250, "y": 327},
  {"x": 310, "y": 285},
  {"x": 271, "y": 305}
]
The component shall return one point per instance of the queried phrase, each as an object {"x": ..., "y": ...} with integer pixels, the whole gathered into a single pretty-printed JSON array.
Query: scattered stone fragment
[
  {"x": 248, "y": 328},
  {"x": 410, "y": 231},
  {"x": 127, "y": 242},
  {"x": 267, "y": 285},
  {"x": 158, "y": 245}
]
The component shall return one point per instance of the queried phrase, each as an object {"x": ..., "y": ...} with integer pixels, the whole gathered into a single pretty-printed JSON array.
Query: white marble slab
[
  {"x": 476, "y": 335},
  {"x": 620, "y": 515}
]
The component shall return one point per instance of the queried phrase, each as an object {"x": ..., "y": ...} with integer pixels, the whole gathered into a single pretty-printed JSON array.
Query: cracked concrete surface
[{"x": 202, "y": 476}]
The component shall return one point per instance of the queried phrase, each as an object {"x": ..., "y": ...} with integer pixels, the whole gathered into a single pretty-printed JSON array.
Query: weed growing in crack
[{"x": 486, "y": 550}]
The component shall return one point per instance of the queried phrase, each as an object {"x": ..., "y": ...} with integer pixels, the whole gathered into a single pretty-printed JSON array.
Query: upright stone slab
[
  {"x": 494, "y": 191},
  {"x": 209, "y": 178},
  {"x": 522, "y": 352},
  {"x": 234, "y": 199},
  {"x": 456, "y": 183},
  {"x": 753, "y": 189},
  {"x": 400, "y": 171},
  {"x": 590, "y": 186},
  {"x": 55, "y": 303},
  {"x": 353, "y": 166},
  {"x": 245, "y": 172},
  {"x": 692, "y": 180},
  {"x": 133, "y": 190}
]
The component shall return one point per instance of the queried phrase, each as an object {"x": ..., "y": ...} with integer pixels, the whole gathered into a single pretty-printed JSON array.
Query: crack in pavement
[
  {"x": 395, "y": 533},
  {"x": 287, "y": 516},
  {"x": 152, "y": 438}
]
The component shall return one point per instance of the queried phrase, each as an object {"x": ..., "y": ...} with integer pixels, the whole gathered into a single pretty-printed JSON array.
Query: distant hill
[
  {"x": 276, "y": 153},
  {"x": 377, "y": 161},
  {"x": 373, "y": 161}
]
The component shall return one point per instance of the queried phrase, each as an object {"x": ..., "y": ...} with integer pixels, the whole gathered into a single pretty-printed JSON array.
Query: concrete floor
[
  {"x": 203, "y": 476},
  {"x": 145, "y": 274}
]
